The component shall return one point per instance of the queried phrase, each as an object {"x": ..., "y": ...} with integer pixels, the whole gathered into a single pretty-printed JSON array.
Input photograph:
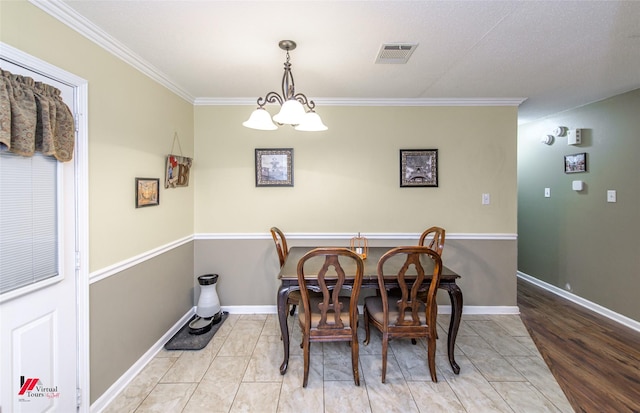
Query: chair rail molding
[
  {"x": 349, "y": 235},
  {"x": 106, "y": 272}
]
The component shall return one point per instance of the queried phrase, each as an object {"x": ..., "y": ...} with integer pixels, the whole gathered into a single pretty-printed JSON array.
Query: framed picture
[
  {"x": 418, "y": 167},
  {"x": 274, "y": 167},
  {"x": 147, "y": 192},
  {"x": 575, "y": 163},
  {"x": 177, "y": 171}
]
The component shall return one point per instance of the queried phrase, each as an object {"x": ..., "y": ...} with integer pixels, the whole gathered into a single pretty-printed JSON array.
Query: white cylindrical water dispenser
[{"x": 208, "y": 311}]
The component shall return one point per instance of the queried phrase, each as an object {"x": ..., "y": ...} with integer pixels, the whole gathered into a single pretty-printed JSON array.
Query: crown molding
[
  {"x": 374, "y": 102},
  {"x": 68, "y": 16},
  {"x": 77, "y": 22}
]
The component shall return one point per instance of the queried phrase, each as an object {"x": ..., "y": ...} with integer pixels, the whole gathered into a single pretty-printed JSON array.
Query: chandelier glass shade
[{"x": 295, "y": 108}]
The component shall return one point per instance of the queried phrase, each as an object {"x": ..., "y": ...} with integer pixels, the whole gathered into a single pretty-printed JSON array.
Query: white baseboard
[
  {"x": 250, "y": 309},
  {"x": 597, "y": 308},
  {"x": 481, "y": 309},
  {"x": 121, "y": 384}
]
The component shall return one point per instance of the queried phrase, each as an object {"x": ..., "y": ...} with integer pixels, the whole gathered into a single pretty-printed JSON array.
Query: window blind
[{"x": 28, "y": 220}]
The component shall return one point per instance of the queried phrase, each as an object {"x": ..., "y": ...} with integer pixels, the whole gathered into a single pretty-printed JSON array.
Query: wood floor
[{"x": 596, "y": 361}]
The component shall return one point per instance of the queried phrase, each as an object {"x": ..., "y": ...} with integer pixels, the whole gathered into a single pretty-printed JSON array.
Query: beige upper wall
[
  {"x": 132, "y": 121},
  {"x": 347, "y": 178}
]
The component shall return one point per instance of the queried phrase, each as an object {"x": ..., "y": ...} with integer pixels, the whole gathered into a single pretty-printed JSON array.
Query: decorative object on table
[
  {"x": 208, "y": 312},
  {"x": 274, "y": 167},
  {"x": 178, "y": 167},
  {"x": 292, "y": 111},
  {"x": 418, "y": 167},
  {"x": 575, "y": 163},
  {"x": 360, "y": 246},
  {"x": 147, "y": 192}
]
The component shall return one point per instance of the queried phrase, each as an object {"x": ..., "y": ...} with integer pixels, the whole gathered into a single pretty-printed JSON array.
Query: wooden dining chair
[
  {"x": 283, "y": 251},
  {"x": 329, "y": 316},
  {"x": 406, "y": 315},
  {"x": 435, "y": 238}
]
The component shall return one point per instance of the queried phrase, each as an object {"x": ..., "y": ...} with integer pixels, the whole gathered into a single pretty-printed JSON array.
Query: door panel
[{"x": 39, "y": 328}]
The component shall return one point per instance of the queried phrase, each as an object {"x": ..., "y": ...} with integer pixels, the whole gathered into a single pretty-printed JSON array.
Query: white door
[{"x": 39, "y": 323}]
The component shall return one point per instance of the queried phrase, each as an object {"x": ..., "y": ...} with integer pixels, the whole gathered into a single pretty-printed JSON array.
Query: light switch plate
[
  {"x": 547, "y": 192},
  {"x": 486, "y": 199},
  {"x": 611, "y": 195}
]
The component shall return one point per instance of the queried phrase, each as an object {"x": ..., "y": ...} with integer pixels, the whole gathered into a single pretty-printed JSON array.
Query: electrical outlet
[
  {"x": 486, "y": 199},
  {"x": 547, "y": 192}
]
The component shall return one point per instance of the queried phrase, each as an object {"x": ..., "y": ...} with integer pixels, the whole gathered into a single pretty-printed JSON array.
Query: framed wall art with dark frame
[
  {"x": 274, "y": 167},
  {"x": 147, "y": 192},
  {"x": 575, "y": 163},
  {"x": 418, "y": 167}
]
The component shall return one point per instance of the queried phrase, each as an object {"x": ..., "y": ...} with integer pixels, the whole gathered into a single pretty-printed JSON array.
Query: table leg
[
  {"x": 283, "y": 295},
  {"x": 455, "y": 294}
]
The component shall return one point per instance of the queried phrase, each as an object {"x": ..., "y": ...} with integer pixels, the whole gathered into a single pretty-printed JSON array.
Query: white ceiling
[{"x": 555, "y": 54}]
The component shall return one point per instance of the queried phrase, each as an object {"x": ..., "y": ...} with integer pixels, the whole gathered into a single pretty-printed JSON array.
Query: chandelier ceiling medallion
[{"x": 292, "y": 110}]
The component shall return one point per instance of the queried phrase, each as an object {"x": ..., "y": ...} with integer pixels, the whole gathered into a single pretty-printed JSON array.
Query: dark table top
[{"x": 289, "y": 271}]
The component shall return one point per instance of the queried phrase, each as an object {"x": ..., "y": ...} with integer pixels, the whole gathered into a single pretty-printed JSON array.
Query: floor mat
[{"x": 183, "y": 340}]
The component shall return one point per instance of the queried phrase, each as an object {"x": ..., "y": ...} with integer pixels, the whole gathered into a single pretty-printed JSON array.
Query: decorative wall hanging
[
  {"x": 418, "y": 167},
  {"x": 274, "y": 167},
  {"x": 178, "y": 167},
  {"x": 575, "y": 163},
  {"x": 147, "y": 192}
]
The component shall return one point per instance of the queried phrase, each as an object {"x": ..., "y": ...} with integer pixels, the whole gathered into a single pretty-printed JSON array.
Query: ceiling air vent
[{"x": 395, "y": 53}]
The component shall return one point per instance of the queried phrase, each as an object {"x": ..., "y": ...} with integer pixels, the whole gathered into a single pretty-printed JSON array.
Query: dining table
[{"x": 288, "y": 277}]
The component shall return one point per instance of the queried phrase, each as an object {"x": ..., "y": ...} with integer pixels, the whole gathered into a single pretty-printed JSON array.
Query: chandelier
[{"x": 292, "y": 110}]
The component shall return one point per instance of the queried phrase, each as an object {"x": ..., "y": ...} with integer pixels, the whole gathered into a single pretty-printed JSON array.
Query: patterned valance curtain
[{"x": 33, "y": 117}]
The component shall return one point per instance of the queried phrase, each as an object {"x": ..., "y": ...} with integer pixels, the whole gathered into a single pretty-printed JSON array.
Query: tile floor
[{"x": 501, "y": 371}]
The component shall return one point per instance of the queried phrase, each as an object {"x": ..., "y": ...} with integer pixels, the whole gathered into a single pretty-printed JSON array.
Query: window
[{"x": 28, "y": 220}]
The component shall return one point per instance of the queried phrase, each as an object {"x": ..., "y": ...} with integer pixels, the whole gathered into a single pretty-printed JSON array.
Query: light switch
[
  {"x": 486, "y": 199},
  {"x": 611, "y": 195},
  {"x": 547, "y": 192}
]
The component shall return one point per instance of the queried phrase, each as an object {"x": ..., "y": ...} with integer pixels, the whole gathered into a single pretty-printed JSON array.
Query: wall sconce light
[
  {"x": 560, "y": 131},
  {"x": 547, "y": 139}
]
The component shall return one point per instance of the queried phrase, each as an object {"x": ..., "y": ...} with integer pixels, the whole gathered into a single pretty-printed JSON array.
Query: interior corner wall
[
  {"x": 576, "y": 240},
  {"x": 132, "y": 122}
]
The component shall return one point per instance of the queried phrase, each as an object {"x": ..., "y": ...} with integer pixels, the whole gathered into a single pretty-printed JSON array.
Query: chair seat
[
  {"x": 316, "y": 299},
  {"x": 375, "y": 308},
  {"x": 294, "y": 296}
]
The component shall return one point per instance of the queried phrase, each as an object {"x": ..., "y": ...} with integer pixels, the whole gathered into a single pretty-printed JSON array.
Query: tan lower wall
[
  {"x": 248, "y": 268},
  {"x": 132, "y": 310}
]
